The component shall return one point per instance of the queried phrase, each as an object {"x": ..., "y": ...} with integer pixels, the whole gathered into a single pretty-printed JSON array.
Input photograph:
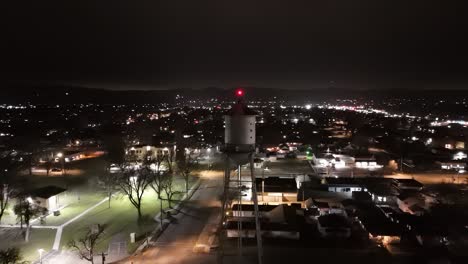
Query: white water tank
[{"x": 239, "y": 132}]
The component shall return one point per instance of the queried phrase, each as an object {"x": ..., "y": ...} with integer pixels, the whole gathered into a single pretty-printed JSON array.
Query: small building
[
  {"x": 276, "y": 190},
  {"x": 363, "y": 197},
  {"x": 334, "y": 225},
  {"x": 343, "y": 185},
  {"x": 382, "y": 190},
  {"x": 366, "y": 162},
  {"x": 426, "y": 232},
  {"x": 247, "y": 210},
  {"x": 281, "y": 222},
  {"x": 380, "y": 224},
  {"x": 382, "y": 193},
  {"x": 452, "y": 165},
  {"x": 47, "y": 197},
  {"x": 408, "y": 184},
  {"x": 258, "y": 163},
  {"x": 141, "y": 152},
  {"x": 414, "y": 203},
  {"x": 325, "y": 207}
]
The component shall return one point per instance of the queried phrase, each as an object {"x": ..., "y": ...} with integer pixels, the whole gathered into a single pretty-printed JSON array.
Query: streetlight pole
[
  {"x": 263, "y": 183},
  {"x": 62, "y": 162},
  {"x": 40, "y": 254}
]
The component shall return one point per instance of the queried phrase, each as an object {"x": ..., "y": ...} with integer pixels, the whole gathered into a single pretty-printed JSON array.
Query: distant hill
[{"x": 61, "y": 94}]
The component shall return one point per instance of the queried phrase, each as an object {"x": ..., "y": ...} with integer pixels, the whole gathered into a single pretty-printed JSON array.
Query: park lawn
[
  {"x": 74, "y": 207},
  {"x": 121, "y": 218},
  {"x": 39, "y": 238}
]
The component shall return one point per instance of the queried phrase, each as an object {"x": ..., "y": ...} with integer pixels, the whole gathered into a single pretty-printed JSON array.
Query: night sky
[{"x": 289, "y": 44}]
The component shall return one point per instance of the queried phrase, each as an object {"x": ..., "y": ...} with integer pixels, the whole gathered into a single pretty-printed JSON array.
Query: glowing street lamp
[{"x": 62, "y": 160}]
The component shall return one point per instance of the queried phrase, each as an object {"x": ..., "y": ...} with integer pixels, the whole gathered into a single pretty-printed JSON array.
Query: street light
[
  {"x": 263, "y": 183},
  {"x": 459, "y": 174},
  {"x": 40, "y": 254},
  {"x": 62, "y": 159}
]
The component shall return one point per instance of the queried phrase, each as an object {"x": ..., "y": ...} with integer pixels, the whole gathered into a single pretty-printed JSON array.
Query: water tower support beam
[{"x": 257, "y": 222}]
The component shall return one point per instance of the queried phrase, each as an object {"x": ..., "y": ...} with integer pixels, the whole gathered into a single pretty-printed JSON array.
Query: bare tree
[
  {"x": 185, "y": 167},
  {"x": 5, "y": 193},
  {"x": 25, "y": 211},
  {"x": 109, "y": 180},
  {"x": 168, "y": 188},
  {"x": 8, "y": 172},
  {"x": 48, "y": 165},
  {"x": 170, "y": 159},
  {"x": 86, "y": 245},
  {"x": 159, "y": 160},
  {"x": 11, "y": 256},
  {"x": 157, "y": 185},
  {"x": 133, "y": 182},
  {"x": 115, "y": 156}
]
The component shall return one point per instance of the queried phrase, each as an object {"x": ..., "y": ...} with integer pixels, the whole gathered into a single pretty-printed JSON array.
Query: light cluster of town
[{"x": 362, "y": 176}]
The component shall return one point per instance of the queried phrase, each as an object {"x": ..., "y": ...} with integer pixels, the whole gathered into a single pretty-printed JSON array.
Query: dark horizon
[{"x": 300, "y": 45}]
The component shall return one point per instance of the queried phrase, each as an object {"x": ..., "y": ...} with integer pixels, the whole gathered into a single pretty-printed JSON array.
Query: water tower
[{"x": 239, "y": 148}]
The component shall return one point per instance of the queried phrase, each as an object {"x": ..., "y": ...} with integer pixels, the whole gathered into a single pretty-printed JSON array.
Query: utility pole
[
  {"x": 239, "y": 223},
  {"x": 103, "y": 257},
  {"x": 257, "y": 222}
]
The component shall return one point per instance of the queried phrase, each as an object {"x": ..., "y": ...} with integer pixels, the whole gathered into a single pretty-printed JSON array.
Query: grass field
[
  {"x": 39, "y": 238},
  {"x": 120, "y": 219},
  {"x": 75, "y": 206}
]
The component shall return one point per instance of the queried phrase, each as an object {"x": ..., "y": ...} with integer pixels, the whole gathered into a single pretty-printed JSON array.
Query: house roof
[
  {"x": 408, "y": 183},
  {"x": 333, "y": 220},
  {"x": 250, "y": 207},
  {"x": 342, "y": 181},
  {"x": 47, "y": 191},
  {"x": 377, "y": 223},
  {"x": 276, "y": 184}
]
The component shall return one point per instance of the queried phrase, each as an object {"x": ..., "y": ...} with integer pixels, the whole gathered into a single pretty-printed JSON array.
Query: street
[
  {"x": 177, "y": 242},
  {"x": 432, "y": 178}
]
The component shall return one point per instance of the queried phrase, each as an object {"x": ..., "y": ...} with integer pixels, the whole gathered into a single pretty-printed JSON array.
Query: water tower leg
[
  {"x": 257, "y": 222},
  {"x": 239, "y": 223},
  {"x": 227, "y": 172}
]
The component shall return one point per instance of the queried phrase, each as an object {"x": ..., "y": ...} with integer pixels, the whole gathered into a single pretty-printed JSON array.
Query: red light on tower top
[{"x": 240, "y": 92}]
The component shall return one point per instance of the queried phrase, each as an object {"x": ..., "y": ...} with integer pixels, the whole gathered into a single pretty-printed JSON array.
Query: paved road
[
  {"x": 175, "y": 245},
  {"x": 433, "y": 178}
]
